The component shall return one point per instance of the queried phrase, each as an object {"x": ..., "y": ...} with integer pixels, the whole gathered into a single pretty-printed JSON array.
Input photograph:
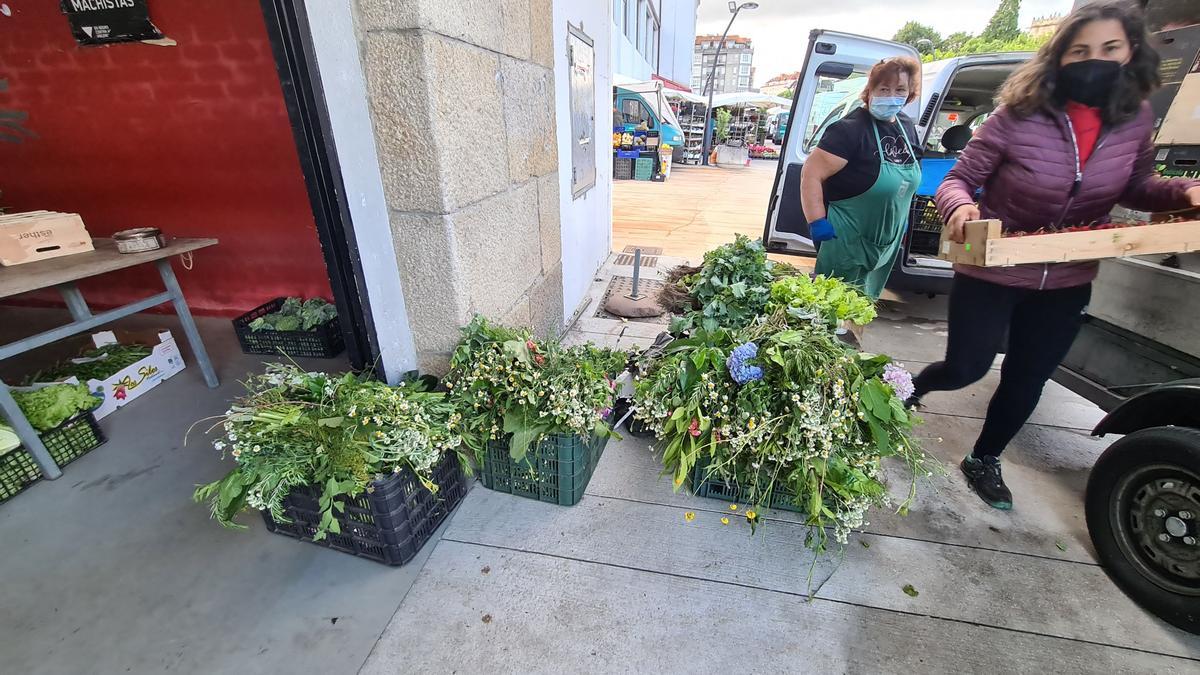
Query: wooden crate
[
  {"x": 41, "y": 235},
  {"x": 986, "y": 247}
]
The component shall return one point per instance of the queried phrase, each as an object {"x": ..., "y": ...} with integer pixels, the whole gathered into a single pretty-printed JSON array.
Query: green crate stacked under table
[
  {"x": 643, "y": 168},
  {"x": 556, "y": 470},
  {"x": 66, "y": 443},
  {"x": 714, "y": 487}
]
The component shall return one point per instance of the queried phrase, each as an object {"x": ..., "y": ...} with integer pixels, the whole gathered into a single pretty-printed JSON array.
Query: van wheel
[{"x": 1143, "y": 513}]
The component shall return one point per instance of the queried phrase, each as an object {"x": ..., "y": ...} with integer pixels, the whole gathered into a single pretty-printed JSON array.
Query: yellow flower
[
  {"x": 733, "y": 507},
  {"x": 724, "y": 521},
  {"x": 678, "y": 481},
  {"x": 751, "y": 424},
  {"x": 751, "y": 515},
  {"x": 689, "y": 516}
]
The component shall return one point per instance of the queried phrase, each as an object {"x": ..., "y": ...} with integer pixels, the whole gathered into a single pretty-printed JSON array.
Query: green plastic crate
[
  {"x": 17, "y": 472},
  {"x": 643, "y": 168},
  {"x": 556, "y": 470},
  {"x": 714, "y": 487}
]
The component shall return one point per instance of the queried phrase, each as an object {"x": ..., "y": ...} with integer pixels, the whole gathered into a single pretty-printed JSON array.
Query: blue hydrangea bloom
[{"x": 738, "y": 363}]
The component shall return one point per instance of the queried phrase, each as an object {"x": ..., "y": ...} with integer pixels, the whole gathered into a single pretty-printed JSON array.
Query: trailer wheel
[{"x": 1143, "y": 513}]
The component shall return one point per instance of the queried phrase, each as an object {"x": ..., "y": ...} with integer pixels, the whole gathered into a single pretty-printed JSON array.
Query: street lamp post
[{"x": 735, "y": 8}]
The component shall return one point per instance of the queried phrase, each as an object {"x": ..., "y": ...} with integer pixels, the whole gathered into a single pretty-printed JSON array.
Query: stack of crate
[{"x": 41, "y": 235}]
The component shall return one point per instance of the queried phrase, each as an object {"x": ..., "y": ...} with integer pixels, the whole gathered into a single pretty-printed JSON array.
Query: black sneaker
[{"x": 983, "y": 475}]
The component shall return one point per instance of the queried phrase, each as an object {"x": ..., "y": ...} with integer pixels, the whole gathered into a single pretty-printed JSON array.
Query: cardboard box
[
  {"x": 135, "y": 380},
  {"x": 1182, "y": 123},
  {"x": 41, "y": 235}
]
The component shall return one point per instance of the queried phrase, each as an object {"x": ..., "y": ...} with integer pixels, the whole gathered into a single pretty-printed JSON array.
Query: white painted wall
[
  {"x": 677, "y": 36},
  {"x": 345, "y": 90},
  {"x": 587, "y": 221}
]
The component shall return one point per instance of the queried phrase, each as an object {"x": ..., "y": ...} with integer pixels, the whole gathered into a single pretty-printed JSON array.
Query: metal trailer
[{"x": 1138, "y": 358}]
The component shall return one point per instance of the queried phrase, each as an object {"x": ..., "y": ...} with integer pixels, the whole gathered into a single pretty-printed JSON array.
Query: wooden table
[{"x": 62, "y": 274}]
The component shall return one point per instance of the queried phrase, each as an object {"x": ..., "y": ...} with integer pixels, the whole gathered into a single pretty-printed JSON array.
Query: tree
[
  {"x": 956, "y": 41},
  {"x": 913, "y": 32},
  {"x": 1005, "y": 23},
  {"x": 786, "y": 93}
]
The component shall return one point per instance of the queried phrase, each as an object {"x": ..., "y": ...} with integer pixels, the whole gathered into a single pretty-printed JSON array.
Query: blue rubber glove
[{"x": 822, "y": 230}]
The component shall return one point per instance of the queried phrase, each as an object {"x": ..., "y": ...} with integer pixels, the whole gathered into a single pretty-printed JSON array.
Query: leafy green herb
[
  {"x": 339, "y": 432},
  {"x": 296, "y": 315},
  {"x": 95, "y": 364},
  {"x": 8, "y": 439},
  {"x": 910, "y": 591},
  {"x": 48, "y": 407},
  {"x": 1061, "y": 546},
  {"x": 828, "y": 299}
]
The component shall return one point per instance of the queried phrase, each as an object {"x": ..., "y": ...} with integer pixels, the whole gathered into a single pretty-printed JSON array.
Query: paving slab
[
  {"x": 1048, "y": 491},
  {"x": 478, "y": 609},
  {"x": 990, "y": 588}
]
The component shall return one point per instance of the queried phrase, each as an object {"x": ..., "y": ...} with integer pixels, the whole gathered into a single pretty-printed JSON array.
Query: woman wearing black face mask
[{"x": 1071, "y": 140}]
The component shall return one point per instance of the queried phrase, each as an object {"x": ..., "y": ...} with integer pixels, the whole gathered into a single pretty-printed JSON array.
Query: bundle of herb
[
  {"x": 733, "y": 285},
  {"x": 833, "y": 300},
  {"x": 340, "y": 432},
  {"x": 95, "y": 364},
  {"x": 505, "y": 383},
  {"x": 782, "y": 410},
  {"x": 295, "y": 315}
]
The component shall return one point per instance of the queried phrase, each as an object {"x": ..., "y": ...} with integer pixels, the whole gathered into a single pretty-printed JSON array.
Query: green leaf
[
  {"x": 910, "y": 591},
  {"x": 738, "y": 289},
  {"x": 518, "y": 445},
  {"x": 883, "y": 443},
  {"x": 518, "y": 350},
  {"x": 331, "y": 422}
]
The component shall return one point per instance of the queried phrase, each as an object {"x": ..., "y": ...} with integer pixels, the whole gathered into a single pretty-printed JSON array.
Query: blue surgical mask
[{"x": 886, "y": 107}]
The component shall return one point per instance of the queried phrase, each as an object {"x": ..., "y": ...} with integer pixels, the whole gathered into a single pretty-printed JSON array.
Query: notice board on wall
[
  {"x": 102, "y": 22},
  {"x": 581, "y": 55}
]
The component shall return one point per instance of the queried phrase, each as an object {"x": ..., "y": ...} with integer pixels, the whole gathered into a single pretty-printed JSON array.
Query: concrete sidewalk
[{"x": 622, "y": 582}]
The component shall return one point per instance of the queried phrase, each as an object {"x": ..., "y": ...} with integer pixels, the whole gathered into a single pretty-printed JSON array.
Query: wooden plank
[
  {"x": 989, "y": 588},
  {"x": 985, "y": 245},
  {"x": 548, "y": 615},
  {"x": 106, "y": 258}
]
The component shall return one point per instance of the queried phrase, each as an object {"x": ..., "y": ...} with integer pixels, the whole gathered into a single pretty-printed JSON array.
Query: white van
[{"x": 956, "y": 97}]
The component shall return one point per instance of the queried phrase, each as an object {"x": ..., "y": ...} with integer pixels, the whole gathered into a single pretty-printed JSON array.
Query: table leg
[
  {"x": 189, "y": 324},
  {"x": 75, "y": 302},
  {"x": 27, "y": 434}
]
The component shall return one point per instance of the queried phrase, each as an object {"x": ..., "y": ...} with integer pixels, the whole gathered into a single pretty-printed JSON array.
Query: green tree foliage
[
  {"x": 956, "y": 41},
  {"x": 1005, "y": 23},
  {"x": 913, "y": 32},
  {"x": 1023, "y": 42},
  {"x": 786, "y": 93}
]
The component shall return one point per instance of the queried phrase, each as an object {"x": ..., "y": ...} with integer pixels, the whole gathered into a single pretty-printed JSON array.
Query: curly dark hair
[{"x": 1032, "y": 87}]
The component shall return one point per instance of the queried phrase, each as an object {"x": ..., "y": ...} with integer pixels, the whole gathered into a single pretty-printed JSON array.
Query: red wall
[{"x": 193, "y": 139}]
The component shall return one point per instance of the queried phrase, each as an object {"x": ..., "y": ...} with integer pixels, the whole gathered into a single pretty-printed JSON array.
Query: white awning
[
  {"x": 749, "y": 98},
  {"x": 685, "y": 95}
]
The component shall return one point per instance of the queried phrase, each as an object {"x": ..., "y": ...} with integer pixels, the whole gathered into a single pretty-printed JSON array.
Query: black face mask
[{"x": 1088, "y": 82}]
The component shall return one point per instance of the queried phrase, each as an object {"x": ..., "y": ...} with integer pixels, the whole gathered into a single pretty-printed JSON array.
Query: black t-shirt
[{"x": 851, "y": 139}]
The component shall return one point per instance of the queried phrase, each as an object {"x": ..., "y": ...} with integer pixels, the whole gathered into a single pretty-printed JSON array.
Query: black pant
[{"x": 1041, "y": 327}]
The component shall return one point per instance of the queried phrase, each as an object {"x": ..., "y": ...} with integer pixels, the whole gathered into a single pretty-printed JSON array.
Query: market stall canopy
[
  {"x": 773, "y": 112},
  {"x": 749, "y": 98},
  {"x": 653, "y": 93},
  {"x": 685, "y": 95}
]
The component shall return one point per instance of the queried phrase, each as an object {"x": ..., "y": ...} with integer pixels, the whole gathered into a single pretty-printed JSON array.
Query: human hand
[
  {"x": 958, "y": 221},
  {"x": 822, "y": 230},
  {"x": 1193, "y": 194}
]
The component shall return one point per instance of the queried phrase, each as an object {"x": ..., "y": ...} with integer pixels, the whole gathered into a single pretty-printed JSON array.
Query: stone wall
[{"x": 462, "y": 102}]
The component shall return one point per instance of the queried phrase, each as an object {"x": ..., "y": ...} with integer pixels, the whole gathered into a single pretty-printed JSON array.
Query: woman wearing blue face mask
[{"x": 857, "y": 185}]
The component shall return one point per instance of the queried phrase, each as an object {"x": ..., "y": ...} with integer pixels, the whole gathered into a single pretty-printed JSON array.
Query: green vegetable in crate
[
  {"x": 295, "y": 315},
  {"x": 48, "y": 407},
  {"x": 8, "y": 439},
  {"x": 95, "y": 364}
]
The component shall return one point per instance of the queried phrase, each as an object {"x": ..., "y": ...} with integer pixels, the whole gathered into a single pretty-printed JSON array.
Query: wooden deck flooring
[{"x": 696, "y": 209}]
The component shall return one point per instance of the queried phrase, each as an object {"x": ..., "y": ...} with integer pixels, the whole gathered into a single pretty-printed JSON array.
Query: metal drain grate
[
  {"x": 627, "y": 259},
  {"x": 646, "y": 250},
  {"x": 624, "y": 286}
]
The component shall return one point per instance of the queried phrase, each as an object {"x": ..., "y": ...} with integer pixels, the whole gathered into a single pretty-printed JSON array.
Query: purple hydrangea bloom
[
  {"x": 738, "y": 363},
  {"x": 900, "y": 379}
]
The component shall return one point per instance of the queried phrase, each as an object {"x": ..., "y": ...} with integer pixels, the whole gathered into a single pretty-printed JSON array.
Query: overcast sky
[{"x": 779, "y": 28}]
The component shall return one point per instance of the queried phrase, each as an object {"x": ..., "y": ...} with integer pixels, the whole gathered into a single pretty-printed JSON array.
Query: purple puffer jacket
[{"x": 1026, "y": 166}]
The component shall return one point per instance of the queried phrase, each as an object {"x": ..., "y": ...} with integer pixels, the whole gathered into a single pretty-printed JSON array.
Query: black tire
[{"x": 1147, "y": 473}]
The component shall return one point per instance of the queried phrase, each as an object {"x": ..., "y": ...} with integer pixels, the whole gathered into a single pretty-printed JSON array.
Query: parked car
[{"x": 956, "y": 97}]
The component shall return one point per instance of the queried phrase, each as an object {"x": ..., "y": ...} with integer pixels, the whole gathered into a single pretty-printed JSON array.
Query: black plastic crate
[
  {"x": 555, "y": 470},
  {"x": 622, "y": 168},
  {"x": 323, "y": 342},
  {"x": 389, "y": 524},
  {"x": 17, "y": 472},
  {"x": 713, "y": 486},
  {"x": 73, "y": 439}
]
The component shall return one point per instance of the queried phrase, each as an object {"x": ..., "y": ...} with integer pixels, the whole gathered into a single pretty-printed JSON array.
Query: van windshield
[{"x": 633, "y": 111}]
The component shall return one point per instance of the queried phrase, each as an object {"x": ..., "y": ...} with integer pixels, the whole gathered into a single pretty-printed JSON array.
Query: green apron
[{"x": 869, "y": 227}]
